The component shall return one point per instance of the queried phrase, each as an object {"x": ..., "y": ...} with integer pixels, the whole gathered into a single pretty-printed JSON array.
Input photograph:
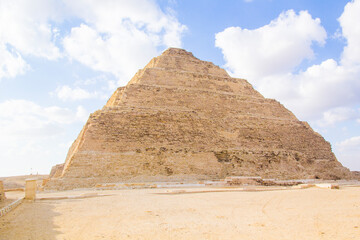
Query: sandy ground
[{"x": 144, "y": 214}]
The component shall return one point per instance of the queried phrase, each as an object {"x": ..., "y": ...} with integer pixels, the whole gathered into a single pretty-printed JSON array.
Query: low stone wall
[{"x": 10, "y": 207}]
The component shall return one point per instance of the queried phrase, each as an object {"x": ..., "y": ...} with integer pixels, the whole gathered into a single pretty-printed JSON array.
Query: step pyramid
[{"x": 180, "y": 118}]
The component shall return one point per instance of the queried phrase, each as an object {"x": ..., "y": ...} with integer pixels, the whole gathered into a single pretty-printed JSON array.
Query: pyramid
[{"x": 180, "y": 118}]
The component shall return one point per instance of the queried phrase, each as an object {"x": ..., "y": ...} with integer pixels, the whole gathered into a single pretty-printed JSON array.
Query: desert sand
[{"x": 158, "y": 214}]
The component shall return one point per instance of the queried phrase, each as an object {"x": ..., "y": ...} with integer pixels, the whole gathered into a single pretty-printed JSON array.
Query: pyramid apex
[{"x": 177, "y": 52}]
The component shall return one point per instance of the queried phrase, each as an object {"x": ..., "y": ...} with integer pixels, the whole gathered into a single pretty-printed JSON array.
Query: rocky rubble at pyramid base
[
  {"x": 141, "y": 182},
  {"x": 167, "y": 165},
  {"x": 356, "y": 175}
]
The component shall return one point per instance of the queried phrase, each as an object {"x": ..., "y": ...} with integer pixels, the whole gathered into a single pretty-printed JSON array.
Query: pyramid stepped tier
[{"x": 181, "y": 119}]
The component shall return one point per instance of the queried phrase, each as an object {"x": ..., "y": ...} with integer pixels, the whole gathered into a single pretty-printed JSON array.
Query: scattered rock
[{"x": 327, "y": 185}]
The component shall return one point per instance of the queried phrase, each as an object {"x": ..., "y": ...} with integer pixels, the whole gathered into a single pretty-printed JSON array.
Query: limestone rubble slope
[{"x": 181, "y": 118}]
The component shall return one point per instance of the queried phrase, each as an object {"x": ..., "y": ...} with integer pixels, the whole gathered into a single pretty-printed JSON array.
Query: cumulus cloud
[
  {"x": 97, "y": 87},
  {"x": 28, "y": 34},
  {"x": 31, "y": 134},
  {"x": 318, "y": 89},
  {"x": 115, "y": 54},
  {"x": 119, "y": 37},
  {"x": 272, "y": 49},
  {"x": 351, "y": 32},
  {"x": 29, "y": 31},
  {"x": 336, "y": 115},
  {"x": 349, "y": 152},
  {"x": 22, "y": 117},
  {"x": 66, "y": 93},
  {"x": 11, "y": 63},
  {"x": 267, "y": 57},
  {"x": 112, "y": 36}
]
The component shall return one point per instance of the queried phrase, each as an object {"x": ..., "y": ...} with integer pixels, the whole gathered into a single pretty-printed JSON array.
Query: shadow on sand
[{"x": 30, "y": 220}]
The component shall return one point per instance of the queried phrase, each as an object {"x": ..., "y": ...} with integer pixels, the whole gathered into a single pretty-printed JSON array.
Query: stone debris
[
  {"x": 303, "y": 186},
  {"x": 30, "y": 189},
  {"x": 243, "y": 181},
  {"x": 56, "y": 171},
  {"x": 327, "y": 185},
  {"x": 183, "y": 119},
  {"x": 240, "y": 180},
  {"x": 214, "y": 190}
]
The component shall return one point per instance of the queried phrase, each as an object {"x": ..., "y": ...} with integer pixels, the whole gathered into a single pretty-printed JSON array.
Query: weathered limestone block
[
  {"x": 30, "y": 189},
  {"x": 327, "y": 185},
  {"x": 181, "y": 118},
  {"x": 56, "y": 171}
]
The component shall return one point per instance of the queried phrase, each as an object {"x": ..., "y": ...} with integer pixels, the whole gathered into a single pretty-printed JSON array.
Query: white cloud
[
  {"x": 119, "y": 55},
  {"x": 351, "y": 143},
  {"x": 26, "y": 118},
  {"x": 317, "y": 90},
  {"x": 119, "y": 37},
  {"x": 272, "y": 49},
  {"x": 82, "y": 114},
  {"x": 25, "y": 30},
  {"x": 114, "y": 36},
  {"x": 267, "y": 57},
  {"x": 34, "y": 155},
  {"x": 351, "y": 32},
  {"x": 33, "y": 136},
  {"x": 349, "y": 152},
  {"x": 30, "y": 32},
  {"x": 65, "y": 93},
  {"x": 98, "y": 87},
  {"x": 335, "y": 115},
  {"x": 11, "y": 63}
]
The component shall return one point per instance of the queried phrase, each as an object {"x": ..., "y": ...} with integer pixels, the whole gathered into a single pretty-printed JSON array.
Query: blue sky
[{"x": 60, "y": 60}]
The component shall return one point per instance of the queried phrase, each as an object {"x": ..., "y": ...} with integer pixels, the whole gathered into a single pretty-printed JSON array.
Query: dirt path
[{"x": 141, "y": 214}]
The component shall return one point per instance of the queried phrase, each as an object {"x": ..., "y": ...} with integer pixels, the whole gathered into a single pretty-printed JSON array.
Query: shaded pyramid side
[{"x": 182, "y": 118}]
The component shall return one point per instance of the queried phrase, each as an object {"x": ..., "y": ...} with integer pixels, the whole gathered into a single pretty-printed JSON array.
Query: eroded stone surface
[
  {"x": 56, "y": 171},
  {"x": 181, "y": 118}
]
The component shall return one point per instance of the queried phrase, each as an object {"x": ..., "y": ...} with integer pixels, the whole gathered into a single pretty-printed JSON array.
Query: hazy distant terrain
[{"x": 19, "y": 181}]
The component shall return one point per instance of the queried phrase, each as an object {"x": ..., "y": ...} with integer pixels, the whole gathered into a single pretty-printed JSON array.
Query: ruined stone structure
[
  {"x": 30, "y": 189},
  {"x": 181, "y": 118},
  {"x": 56, "y": 171}
]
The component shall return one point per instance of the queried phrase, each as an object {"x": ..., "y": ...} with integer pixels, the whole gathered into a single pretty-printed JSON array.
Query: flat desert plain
[{"x": 311, "y": 213}]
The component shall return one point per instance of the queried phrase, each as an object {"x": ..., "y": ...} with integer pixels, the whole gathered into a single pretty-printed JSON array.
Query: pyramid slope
[{"x": 181, "y": 118}]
